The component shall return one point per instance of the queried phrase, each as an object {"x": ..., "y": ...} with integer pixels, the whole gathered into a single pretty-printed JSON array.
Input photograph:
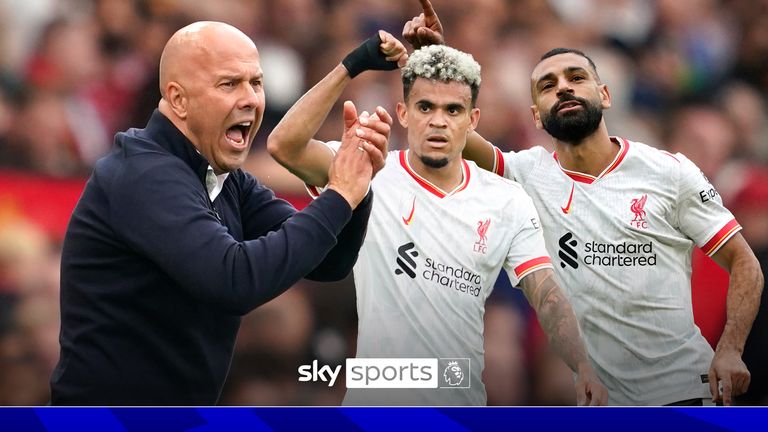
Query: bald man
[{"x": 171, "y": 242}]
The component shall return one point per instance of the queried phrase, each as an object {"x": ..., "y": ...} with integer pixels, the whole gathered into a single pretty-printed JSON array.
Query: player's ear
[
  {"x": 474, "y": 118},
  {"x": 402, "y": 112},
  {"x": 605, "y": 96},
  {"x": 536, "y": 117}
]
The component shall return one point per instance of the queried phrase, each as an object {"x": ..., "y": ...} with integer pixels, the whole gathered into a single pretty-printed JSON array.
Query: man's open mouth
[{"x": 238, "y": 133}]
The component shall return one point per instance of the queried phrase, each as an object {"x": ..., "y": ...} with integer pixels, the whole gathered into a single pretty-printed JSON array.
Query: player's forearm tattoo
[
  {"x": 556, "y": 316},
  {"x": 743, "y": 301}
]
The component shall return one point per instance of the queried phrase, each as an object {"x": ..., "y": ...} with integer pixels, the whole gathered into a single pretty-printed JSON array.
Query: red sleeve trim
[
  {"x": 532, "y": 265},
  {"x": 721, "y": 237},
  {"x": 498, "y": 162}
]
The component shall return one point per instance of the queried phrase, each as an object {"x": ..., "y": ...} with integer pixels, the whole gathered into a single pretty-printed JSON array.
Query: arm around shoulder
[{"x": 481, "y": 151}]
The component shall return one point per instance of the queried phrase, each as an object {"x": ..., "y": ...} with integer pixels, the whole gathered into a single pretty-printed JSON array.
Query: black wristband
[{"x": 367, "y": 56}]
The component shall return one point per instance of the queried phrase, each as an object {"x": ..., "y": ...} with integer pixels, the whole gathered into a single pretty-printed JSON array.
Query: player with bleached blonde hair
[{"x": 440, "y": 231}]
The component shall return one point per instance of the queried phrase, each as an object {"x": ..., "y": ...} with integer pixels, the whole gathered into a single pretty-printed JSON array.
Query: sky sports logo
[{"x": 391, "y": 373}]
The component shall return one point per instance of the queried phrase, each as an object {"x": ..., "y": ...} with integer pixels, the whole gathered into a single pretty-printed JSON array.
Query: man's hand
[
  {"x": 729, "y": 370},
  {"x": 589, "y": 390},
  {"x": 351, "y": 170},
  {"x": 379, "y": 52},
  {"x": 392, "y": 48},
  {"x": 424, "y": 29},
  {"x": 375, "y": 131}
]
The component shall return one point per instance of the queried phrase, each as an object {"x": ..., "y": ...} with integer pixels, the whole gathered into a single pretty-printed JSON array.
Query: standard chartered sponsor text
[
  {"x": 458, "y": 278},
  {"x": 619, "y": 254}
]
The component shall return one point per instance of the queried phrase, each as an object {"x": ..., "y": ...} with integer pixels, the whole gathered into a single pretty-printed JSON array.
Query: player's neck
[
  {"x": 591, "y": 156},
  {"x": 446, "y": 178}
]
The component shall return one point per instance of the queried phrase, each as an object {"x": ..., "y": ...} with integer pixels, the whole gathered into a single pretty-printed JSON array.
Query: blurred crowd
[{"x": 687, "y": 76}]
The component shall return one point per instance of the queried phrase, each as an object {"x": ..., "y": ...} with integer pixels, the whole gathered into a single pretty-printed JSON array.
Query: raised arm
[
  {"x": 291, "y": 142},
  {"x": 559, "y": 322},
  {"x": 743, "y": 300}
]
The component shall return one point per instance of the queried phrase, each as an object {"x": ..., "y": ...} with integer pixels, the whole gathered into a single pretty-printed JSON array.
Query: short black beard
[
  {"x": 433, "y": 163},
  {"x": 572, "y": 127}
]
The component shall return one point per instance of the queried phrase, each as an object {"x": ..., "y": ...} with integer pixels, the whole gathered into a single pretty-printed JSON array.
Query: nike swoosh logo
[
  {"x": 409, "y": 219},
  {"x": 567, "y": 208}
]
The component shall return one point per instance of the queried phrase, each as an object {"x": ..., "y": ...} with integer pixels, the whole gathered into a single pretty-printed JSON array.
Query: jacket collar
[{"x": 160, "y": 130}]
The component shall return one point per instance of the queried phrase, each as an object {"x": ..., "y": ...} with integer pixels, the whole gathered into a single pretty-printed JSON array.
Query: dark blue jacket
[{"x": 155, "y": 277}]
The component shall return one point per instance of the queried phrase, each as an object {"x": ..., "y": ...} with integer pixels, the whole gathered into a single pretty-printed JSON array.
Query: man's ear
[
  {"x": 402, "y": 114},
  {"x": 474, "y": 118},
  {"x": 536, "y": 117},
  {"x": 605, "y": 96},
  {"x": 177, "y": 99}
]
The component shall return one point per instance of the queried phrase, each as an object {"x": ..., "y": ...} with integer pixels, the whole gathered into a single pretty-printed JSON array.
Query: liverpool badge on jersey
[
  {"x": 482, "y": 233},
  {"x": 637, "y": 207}
]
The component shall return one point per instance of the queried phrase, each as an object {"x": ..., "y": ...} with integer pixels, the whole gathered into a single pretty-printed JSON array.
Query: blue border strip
[{"x": 204, "y": 419}]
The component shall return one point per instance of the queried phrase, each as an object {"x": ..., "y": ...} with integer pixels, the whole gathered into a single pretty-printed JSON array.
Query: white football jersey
[
  {"x": 621, "y": 244},
  {"x": 428, "y": 264}
]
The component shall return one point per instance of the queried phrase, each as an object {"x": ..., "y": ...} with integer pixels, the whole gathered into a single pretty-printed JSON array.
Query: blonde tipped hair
[{"x": 441, "y": 63}]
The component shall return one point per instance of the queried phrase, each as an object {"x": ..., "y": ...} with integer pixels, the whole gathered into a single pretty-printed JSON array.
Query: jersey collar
[
  {"x": 586, "y": 178},
  {"x": 426, "y": 184}
]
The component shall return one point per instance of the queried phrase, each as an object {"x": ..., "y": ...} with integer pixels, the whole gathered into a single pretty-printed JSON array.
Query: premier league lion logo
[{"x": 453, "y": 374}]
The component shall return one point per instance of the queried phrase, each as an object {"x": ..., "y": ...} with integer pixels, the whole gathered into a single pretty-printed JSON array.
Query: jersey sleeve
[
  {"x": 315, "y": 191},
  {"x": 527, "y": 252},
  {"x": 516, "y": 166},
  {"x": 701, "y": 213}
]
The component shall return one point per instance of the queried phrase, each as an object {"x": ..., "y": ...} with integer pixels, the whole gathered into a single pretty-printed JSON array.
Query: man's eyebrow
[
  {"x": 569, "y": 71},
  {"x": 546, "y": 77},
  {"x": 230, "y": 77},
  {"x": 448, "y": 105},
  {"x": 574, "y": 69},
  {"x": 240, "y": 77}
]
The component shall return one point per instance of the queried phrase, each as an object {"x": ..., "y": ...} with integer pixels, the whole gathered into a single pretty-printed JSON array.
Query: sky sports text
[{"x": 393, "y": 373}]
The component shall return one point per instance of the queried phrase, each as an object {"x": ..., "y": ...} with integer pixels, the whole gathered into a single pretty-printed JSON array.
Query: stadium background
[{"x": 685, "y": 75}]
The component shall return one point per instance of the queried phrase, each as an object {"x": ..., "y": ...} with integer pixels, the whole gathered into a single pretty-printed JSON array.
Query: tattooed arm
[
  {"x": 742, "y": 303},
  {"x": 558, "y": 321}
]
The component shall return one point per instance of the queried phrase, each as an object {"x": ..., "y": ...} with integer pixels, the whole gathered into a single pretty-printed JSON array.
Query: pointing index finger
[{"x": 426, "y": 5}]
